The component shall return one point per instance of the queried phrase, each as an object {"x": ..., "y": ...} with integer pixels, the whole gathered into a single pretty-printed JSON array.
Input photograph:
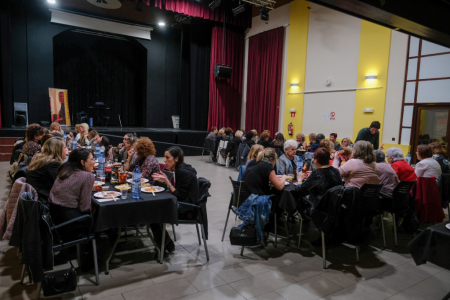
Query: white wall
[
  {"x": 332, "y": 52},
  {"x": 394, "y": 89},
  {"x": 277, "y": 17}
]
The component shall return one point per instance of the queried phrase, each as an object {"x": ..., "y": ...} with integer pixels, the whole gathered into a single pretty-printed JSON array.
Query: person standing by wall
[{"x": 371, "y": 135}]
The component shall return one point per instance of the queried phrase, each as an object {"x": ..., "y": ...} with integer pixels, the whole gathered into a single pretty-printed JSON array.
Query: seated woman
[
  {"x": 84, "y": 134},
  {"x": 270, "y": 139},
  {"x": 346, "y": 142},
  {"x": 92, "y": 142},
  {"x": 259, "y": 173},
  {"x": 143, "y": 156},
  {"x": 288, "y": 161},
  {"x": 403, "y": 170},
  {"x": 264, "y": 140},
  {"x": 278, "y": 143},
  {"x": 42, "y": 171},
  {"x": 255, "y": 135},
  {"x": 341, "y": 156},
  {"x": 333, "y": 137},
  {"x": 427, "y": 166},
  {"x": 228, "y": 134},
  {"x": 220, "y": 135},
  {"x": 185, "y": 189},
  {"x": 70, "y": 196},
  {"x": 253, "y": 153},
  {"x": 249, "y": 139},
  {"x": 361, "y": 168},
  {"x": 301, "y": 141},
  {"x": 388, "y": 177},
  {"x": 212, "y": 133},
  {"x": 313, "y": 144},
  {"x": 103, "y": 141},
  {"x": 439, "y": 155},
  {"x": 319, "y": 181},
  {"x": 33, "y": 134},
  {"x": 237, "y": 137},
  {"x": 56, "y": 128}
]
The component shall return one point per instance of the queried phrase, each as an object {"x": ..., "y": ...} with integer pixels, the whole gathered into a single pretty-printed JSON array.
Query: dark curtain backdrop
[
  {"x": 6, "y": 109},
  {"x": 201, "y": 9},
  {"x": 97, "y": 69},
  {"x": 265, "y": 53},
  {"x": 225, "y": 95},
  {"x": 200, "y": 55}
]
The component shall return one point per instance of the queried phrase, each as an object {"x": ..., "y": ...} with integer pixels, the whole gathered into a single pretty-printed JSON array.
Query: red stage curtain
[
  {"x": 225, "y": 95},
  {"x": 201, "y": 10},
  {"x": 265, "y": 54}
]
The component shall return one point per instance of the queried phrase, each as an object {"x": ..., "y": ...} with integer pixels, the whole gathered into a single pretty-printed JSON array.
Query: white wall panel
[
  {"x": 406, "y": 135},
  {"x": 435, "y": 66},
  {"x": 434, "y": 91},
  {"x": 414, "y": 47},
  {"x": 407, "y": 115},
  {"x": 410, "y": 92},
  {"x": 412, "y": 69},
  {"x": 430, "y": 48},
  {"x": 333, "y": 49},
  {"x": 316, "y": 105},
  {"x": 394, "y": 90}
]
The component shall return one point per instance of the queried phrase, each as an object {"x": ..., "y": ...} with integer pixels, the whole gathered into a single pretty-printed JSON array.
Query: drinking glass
[
  {"x": 102, "y": 178},
  {"x": 123, "y": 194},
  {"x": 122, "y": 177}
]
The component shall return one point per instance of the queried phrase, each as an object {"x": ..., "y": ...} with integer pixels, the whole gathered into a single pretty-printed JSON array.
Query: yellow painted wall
[
  {"x": 296, "y": 64},
  {"x": 374, "y": 49}
]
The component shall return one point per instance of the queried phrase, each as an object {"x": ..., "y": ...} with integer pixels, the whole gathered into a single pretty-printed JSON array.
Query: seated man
[{"x": 287, "y": 163}]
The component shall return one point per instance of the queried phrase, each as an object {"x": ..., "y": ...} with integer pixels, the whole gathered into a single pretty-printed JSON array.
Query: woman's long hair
[
  {"x": 364, "y": 150},
  {"x": 51, "y": 151},
  {"x": 255, "y": 149},
  {"x": 86, "y": 130},
  {"x": 176, "y": 151},
  {"x": 74, "y": 162},
  {"x": 268, "y": 153},
  {"x": 279, "y": 140}
]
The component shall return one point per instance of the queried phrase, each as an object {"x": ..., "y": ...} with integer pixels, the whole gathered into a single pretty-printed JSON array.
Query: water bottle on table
[
  {"x": 74, "y": 143},
  {"x": 299, "y": 164},
  {"x": 408, "y": 158},
  {"x": 97, "y": 151},
  {"x": 101, "y": 164},
  {"x": 136, "y": 185}
]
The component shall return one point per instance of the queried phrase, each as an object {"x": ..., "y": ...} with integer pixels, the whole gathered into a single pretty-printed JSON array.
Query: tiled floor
[{"x": 271, "y": 273}]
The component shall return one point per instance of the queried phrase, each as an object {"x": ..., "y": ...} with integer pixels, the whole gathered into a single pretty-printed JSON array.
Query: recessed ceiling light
[
  {"x": 51, "y": 1},
  {"x": 162, "y": 24}
]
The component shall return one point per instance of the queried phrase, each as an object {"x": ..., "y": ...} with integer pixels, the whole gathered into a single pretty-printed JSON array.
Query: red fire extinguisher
[{"x": 290, "y": 128}]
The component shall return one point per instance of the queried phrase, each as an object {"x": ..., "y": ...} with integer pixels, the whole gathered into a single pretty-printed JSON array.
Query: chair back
[
  {"x": 240, "y": 192},
  {"x": 169, "y": 174},
  {"x": 207, "y": 144},
  {"x": 212, "y": 145},
  {"x": 401, "y": 196},
  {"x": 370, "y": 198},
  {"x": 444, "y": 189}
]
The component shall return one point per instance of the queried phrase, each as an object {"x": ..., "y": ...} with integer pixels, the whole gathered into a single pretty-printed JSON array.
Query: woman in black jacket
[
  {"x": 185, "y": 189},
  {"x": 42, "y": 171}
]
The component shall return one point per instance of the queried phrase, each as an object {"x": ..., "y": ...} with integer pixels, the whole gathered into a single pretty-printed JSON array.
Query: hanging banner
[{"x": 59, "y": 106}]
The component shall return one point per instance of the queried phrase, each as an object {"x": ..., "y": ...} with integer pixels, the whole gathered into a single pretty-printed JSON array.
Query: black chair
[
  {"x": 399, "y": 202},
  {"x": 88, "y": 237},
  {"x": 206, "y": 146},
  {"x": 240, "y": 193},
  {"x": 444, "y": 191},
  {"x": 371, "y": 204}
]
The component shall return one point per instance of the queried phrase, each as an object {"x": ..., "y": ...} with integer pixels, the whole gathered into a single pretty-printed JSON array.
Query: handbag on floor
[
  {"x": 62, "y": 281},
  {"x": 246, "y": 237}
]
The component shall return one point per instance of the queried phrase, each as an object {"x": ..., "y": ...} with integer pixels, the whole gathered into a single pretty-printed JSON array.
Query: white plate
[
  {"x": 448, "y": 226},
  {"x": 143, "y": 180},
  {"x": 99, "y": 183},
  {"x": 109, "y": 196},
  {"x": 286, "y": 183},
  {"x": 157, "y": 188}
]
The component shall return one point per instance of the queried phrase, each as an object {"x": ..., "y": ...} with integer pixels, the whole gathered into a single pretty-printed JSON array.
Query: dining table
[{"x": 162, "y": 207}]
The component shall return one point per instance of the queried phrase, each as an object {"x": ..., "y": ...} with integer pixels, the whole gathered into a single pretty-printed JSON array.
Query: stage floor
[{"x": 191, "y": 141}]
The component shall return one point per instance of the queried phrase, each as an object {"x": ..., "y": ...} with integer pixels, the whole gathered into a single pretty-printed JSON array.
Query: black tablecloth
[
  {"x": 286, "y": 201},
  {"x": 433, "y": 245},
  {"x": 161, "y": 208}
]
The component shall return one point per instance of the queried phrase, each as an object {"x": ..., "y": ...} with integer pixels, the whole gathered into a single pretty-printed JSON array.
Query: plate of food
[
  {"x": 98, "y": 183},
  {"x": 123, "y": 187},
  {"x": 153, "y": 189},
  {"x": 104, "y": 195},
  {"x": 143, "y": 180},
  {"x": 145, "y": 184}
]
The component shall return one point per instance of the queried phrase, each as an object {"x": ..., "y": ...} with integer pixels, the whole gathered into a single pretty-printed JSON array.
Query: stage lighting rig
[
  {"x": 264, "y": 14},
  {"x": 264, "y": 5},
  {"x": 213, "y": 5},
  {"x": 239, "y": 9}
]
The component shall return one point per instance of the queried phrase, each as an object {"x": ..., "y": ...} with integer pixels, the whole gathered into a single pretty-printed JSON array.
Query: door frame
[{"x": 415, "y": 125}]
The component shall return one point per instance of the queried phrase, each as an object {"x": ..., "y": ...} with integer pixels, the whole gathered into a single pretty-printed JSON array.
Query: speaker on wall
[
  {"x": 222, "y": 71},
  {"x": 20, "y": 114}
]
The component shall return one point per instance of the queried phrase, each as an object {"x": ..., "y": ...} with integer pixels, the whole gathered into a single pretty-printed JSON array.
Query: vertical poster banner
[{"x": 59, "y": 106}]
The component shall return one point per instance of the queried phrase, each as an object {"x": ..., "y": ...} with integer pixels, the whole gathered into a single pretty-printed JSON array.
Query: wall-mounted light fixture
[
  {"x": 294, "y": 84},
  {"x": 371, "y": 77},
  {"x": 161, "y": 23},
  {"x": 368, "y": 110},
  {"x": 51, "y": 1}
]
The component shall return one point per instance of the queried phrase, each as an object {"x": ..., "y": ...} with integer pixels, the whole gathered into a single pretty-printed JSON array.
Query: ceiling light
[
  {"x": 51, "y": 1},
  {"x": 239, "y": 9},
  {"x": 162, "y": 24},
  {"x": 371, "y": 77},
  {"x": 264, "y": 14},
  {"x": 213, "y": 5}
]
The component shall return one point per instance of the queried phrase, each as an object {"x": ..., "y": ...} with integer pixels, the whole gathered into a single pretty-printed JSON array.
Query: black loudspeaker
[
  {"x": 82, "y": 117},
  {"x": 222, "y": 71},
  {"x": 20, "y": 114}
]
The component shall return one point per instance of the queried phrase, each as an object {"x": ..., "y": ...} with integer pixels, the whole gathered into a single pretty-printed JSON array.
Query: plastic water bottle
[
  {"x": 299, "y": 164},
  {"x": 136, "y": 186},
  {"x": 97, "y": 151},
  {"x": 74, "y": 143},
  {"x": 101, "y": 164},
  {"x": 408, "y": 158},
  {"x": 65, "y": 137}
]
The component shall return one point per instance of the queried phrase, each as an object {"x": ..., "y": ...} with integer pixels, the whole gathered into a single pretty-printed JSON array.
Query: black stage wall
[{"x": 163, "y": 94}]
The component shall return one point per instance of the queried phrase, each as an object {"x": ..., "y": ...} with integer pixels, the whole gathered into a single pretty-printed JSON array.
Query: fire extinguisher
[{"x": 290, "y": 128}]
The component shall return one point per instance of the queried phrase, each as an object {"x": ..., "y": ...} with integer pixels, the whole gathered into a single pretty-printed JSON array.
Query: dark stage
[{"x": 191, "y": 141}]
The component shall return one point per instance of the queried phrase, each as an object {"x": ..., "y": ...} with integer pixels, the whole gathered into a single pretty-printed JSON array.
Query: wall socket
[{"x": 393, "y": 139}]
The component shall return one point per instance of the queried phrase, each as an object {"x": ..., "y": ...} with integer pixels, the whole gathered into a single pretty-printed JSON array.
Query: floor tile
[
  {"x": 167, "y": 290},
  {"x": 425, "y": 270},
  {"x": 304, "y": 270},
  {"x": 224, "y": 292},
  {"x": 309, "y": 289},
  {"x": 436, "y": 286},
  {"x": 341, "y": 278},
  {"x": 168, "y": 272},
  {"x": 232, "y": 273},
  {"x": 205, "y": 280},
  {"x": 269, "y": 296},
  {"x": 411, "y": 294},
  {"x": 395, "y": 280},
  {"x": 360, "y": 291}
]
